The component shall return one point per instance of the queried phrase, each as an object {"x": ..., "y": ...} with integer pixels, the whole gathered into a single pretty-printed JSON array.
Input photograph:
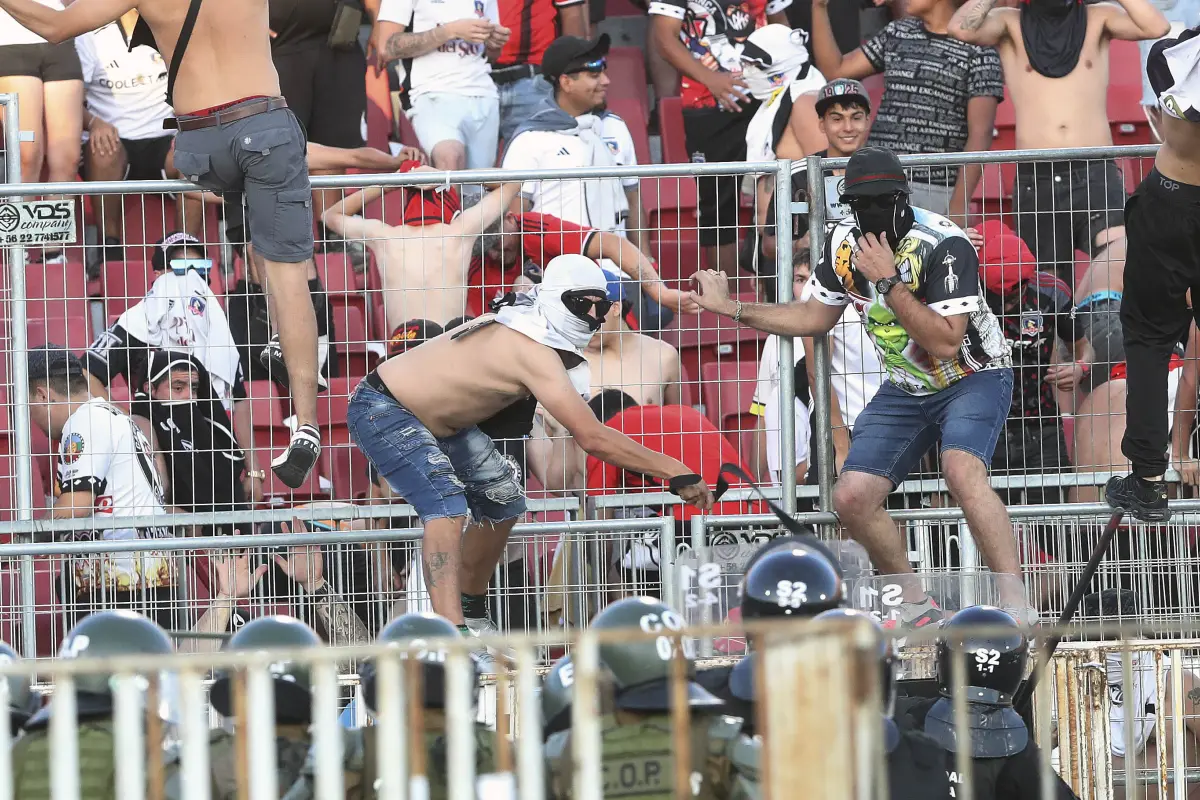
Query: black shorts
[
  {"x": 1031, "y": 447},
  {"x": 1061, "y": 206},
  {"x": 48, "y": 62},
  {"x": 147, "y": 158},
  {"x": 326, "y": 91},
  {"x": 714, "y": 135}
]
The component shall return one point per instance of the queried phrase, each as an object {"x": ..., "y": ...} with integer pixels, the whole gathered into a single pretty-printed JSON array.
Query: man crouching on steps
[
  {"x": 236, "y": 135},
  {"x": 416, "y": 416}
]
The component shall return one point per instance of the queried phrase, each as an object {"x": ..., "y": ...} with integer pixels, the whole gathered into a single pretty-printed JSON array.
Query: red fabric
[
  {"x": 534, "y": 25},
  {"x": 542, "y": 238},
  {"x": 1119, "y": 371},
  {"x": 682, "y": 433},
  {"x": 1005, "y": 260},
  {"x": 208, "y": 112},
  {"x": 693, "y": 93}
]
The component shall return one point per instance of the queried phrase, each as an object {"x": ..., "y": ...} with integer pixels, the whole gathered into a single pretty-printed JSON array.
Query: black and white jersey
[{"x": 102, "y": 451}]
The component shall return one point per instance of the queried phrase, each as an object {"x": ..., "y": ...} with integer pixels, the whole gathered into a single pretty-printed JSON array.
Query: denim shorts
[
  {"x": 439, "y": 477},
  {"x": 896, "y": 429}
]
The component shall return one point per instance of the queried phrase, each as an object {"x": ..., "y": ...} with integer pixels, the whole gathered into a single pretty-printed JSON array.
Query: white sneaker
[
  {"x": 483, "y": 626},
  {"x": 484, "y": 659}
]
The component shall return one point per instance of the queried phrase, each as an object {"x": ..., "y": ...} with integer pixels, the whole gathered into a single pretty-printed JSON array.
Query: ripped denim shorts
[{"x": 449, "y": 477}]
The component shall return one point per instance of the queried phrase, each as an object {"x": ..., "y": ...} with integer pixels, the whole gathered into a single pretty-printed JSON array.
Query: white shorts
[
  {"x": 1143, "y": 699},
  {"x": 473, "y": 122}
]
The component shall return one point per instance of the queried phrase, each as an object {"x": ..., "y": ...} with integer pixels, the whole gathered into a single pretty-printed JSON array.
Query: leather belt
[
  {"x": 249, "y": 109},
  {"x": 517, "y": 72}
]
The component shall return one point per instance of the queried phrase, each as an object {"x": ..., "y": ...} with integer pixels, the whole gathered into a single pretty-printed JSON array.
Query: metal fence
[
  {"x": 1093, "y": 705},
  {"x": 375, "y": 275}
]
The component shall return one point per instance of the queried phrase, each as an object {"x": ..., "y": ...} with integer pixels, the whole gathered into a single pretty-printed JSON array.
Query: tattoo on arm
[
  {"x": 976, "y": 14},
  {"x": 411, "y": 45},
  {"x": 1194, "y": 696},
  {"x": 342, "y": 625},
  {"x": 435, "y": 567}
]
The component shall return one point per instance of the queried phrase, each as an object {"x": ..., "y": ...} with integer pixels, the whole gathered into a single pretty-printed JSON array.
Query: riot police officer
[
  {"x": 23, "y": 699},
  {"x": 792, "y": 580},
  {"x": 1005, "y": 763},
  {"x": 360, "y": 749},
  {"x": 556, "y": 697},
  {"x": 915, "y": 762},
  {"x": 293, "y": 707},
  {"x": 99, "y": 635},
  {"x": 637, "y": 754}
]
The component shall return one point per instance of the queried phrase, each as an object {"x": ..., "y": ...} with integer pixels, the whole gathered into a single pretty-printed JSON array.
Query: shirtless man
[
  {"x": 1055, "y": 59},
  {"x": 416, "y": 419},
  {"x": 1163, "y": 264},
  {"x": 641, "y": 366},
  {"x": 235, "y": 135},
  {"x": 425, "y": 263}
]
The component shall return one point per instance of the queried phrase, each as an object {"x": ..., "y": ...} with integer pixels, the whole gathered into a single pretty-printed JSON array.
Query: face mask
[
  {"x": 555, "y": 317},
  {"x": 887, "y": 215}
]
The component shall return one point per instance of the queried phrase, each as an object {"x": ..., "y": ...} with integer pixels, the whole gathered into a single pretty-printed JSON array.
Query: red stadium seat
[
  {"x": 621, "y": 8},
  {"x": 634, "y": 116},
  {"x": 627, "y": 71},
  {"x": 1124, "y": 64},
  {"x": 71, "y": 333},
  {"x": 125, "y": 285},
  {"x": 728, "y": 391},
  {"x": 708, "y": 338},
  {"x": 348, "y": 470},
  {"x": 336, "y": 272},
  {"x": 331, "y": 410},
  {"x": 352, "y": 339},
  {"x": 670, "y": 123},
  {"x": 1125, "y": 115},
  {"x": 52, "y": 290},
  {"x": 1004, "y": 137}
]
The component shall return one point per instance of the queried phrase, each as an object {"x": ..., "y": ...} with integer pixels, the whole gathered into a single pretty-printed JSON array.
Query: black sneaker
[
  {"x": 1146, "y": 500},
  {"x": 298, "y": 460},
  {"x": 271, "y": 359}
]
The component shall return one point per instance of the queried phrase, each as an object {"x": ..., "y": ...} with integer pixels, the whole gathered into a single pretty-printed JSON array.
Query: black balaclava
[
  {"x": 1053, "y": 32},
  {"x": 894, "y": 219}
]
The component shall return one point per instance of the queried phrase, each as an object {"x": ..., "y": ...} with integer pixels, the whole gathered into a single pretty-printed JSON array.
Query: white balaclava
[
  {"x": 772, "y": 57},
  {"x": 541, "y": 315}
]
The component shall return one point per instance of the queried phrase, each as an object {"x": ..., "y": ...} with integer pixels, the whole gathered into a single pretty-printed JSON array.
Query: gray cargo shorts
[{"x": 262, "y": 156}]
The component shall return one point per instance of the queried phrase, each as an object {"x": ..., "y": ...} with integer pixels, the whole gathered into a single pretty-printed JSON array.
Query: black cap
[
  {"x": 411, "y": 334},
  {"x": 874, "y": 171},
  {"x": 567, "y": 53},
  {"x": 52, "y": 360},
  {"x": 842, "y": 90}
]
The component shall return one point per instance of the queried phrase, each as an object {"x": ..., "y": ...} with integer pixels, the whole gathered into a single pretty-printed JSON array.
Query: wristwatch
[{"x": 885, "y": 285}]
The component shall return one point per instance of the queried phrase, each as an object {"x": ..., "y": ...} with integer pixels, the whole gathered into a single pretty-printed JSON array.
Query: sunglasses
[
  {"x": 180, "y": 266},
  {"x": 863, "y": 203},
  {"x": 594, "y": 67},
  {"x": 581, "y": 304}
]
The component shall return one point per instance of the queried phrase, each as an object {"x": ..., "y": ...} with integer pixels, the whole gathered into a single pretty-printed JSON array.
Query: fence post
[
  {"x": 787, "y": 345},
  {"x": 22, "y": 446},
  {"x": 821, "y": 369}
]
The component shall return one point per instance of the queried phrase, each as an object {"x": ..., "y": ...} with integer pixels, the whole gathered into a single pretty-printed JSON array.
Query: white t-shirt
[
  {"x": 567, "y": 199},
  {"x": 766, "y": 405},
  {"x": 103, "y": 452},
  {"x": 457, "y": 67},
  {"x": 125, "y": 89},
  {"x": 856, "y": 371},
  {"x": 13, "y": 32}
]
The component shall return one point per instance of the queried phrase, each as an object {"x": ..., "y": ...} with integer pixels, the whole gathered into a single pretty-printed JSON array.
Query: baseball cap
[
  {"x": 841, "y": 90},
  {"x": 567, "y": 53},
  {"x": 1005, "y": 260},
  {"x": 874, "y": 171},
  {"x": 412, "y": 333},
  {"x": 170, "y": 246}
]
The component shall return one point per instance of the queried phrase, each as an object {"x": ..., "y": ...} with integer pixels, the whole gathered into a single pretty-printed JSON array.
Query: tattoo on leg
[{"x": 435, "y": 565}]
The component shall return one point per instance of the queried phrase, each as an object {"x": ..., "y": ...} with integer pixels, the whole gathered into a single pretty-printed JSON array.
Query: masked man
[
  {"x": 914, "y": 279},
  {"x": 1055, "y": 59},
  {"x": 188, "y": 426},
  {"x": 416, "y": 418}
]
